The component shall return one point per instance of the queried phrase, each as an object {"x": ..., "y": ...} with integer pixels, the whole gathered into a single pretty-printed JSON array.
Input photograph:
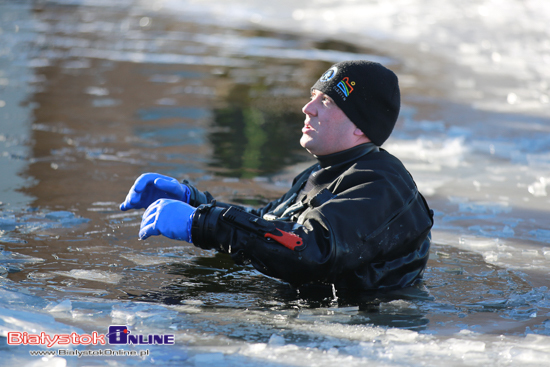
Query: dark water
[{"x": 93, "y": 96}]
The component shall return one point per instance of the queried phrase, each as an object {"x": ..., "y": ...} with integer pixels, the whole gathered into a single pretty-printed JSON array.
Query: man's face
[{"x": 326, "y": 129}]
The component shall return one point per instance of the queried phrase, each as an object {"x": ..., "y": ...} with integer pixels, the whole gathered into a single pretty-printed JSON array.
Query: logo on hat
[
  {"x": 344, "y": 87},
  {"x": 329, "y": 74}
]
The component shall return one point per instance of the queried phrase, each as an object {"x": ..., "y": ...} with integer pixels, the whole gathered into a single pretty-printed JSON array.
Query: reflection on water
[
  {"x": 255, "y": 136},
  {"x": 17, "y": 83}
]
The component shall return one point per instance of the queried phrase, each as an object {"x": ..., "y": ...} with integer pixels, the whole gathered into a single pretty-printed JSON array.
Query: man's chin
[
  {"x": 305, "y": 141},
  {"x": 308, "y": 145}
]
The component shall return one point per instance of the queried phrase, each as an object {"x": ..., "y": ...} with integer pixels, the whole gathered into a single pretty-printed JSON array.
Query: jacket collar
[{"x": 346, "y": 156}]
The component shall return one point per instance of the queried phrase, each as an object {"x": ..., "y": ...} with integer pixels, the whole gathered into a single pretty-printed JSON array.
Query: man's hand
[
  {"x": 150, "y": 187},
  {"x": 170, "y": 218}
]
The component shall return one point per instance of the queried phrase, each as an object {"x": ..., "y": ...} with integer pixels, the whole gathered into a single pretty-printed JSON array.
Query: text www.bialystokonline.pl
[{"x": 89, "y": 353}]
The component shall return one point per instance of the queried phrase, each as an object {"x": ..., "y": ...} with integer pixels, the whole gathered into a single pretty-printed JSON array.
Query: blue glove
[
  {"x": 170, "y": 218},
  {"x": 150, "y": 187}
]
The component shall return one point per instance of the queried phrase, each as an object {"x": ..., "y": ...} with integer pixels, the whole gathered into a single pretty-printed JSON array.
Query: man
[{"x": 354, "y": 220}]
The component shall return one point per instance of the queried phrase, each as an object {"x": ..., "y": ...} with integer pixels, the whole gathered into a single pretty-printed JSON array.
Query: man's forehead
[{"x": 315, "y": 92}]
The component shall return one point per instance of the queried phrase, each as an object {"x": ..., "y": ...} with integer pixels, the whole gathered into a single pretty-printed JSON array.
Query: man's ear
[{"x": 360, "y": 134}]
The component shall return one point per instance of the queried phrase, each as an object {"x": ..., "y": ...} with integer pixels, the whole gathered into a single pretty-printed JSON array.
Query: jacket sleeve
[
  {"x": 289, "y": 251},
  {"x": 197, "y": 197}
]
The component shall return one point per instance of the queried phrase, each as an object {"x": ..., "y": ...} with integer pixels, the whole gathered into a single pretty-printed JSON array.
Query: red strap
[{"x": 288, "y": 240}]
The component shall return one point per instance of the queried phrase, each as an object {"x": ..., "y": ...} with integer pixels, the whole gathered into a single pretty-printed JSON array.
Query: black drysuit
[{"x": 355, "y": 220}]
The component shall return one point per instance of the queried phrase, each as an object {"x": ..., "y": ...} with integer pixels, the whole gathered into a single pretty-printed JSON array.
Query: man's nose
[{"x": 309, "y": 108}]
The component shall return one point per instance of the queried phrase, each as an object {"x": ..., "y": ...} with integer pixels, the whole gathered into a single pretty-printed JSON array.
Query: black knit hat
[{"x": 367, "y": 92}]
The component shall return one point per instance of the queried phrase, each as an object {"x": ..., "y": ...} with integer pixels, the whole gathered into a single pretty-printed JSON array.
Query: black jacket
[{"x": 360, "y": 224}]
